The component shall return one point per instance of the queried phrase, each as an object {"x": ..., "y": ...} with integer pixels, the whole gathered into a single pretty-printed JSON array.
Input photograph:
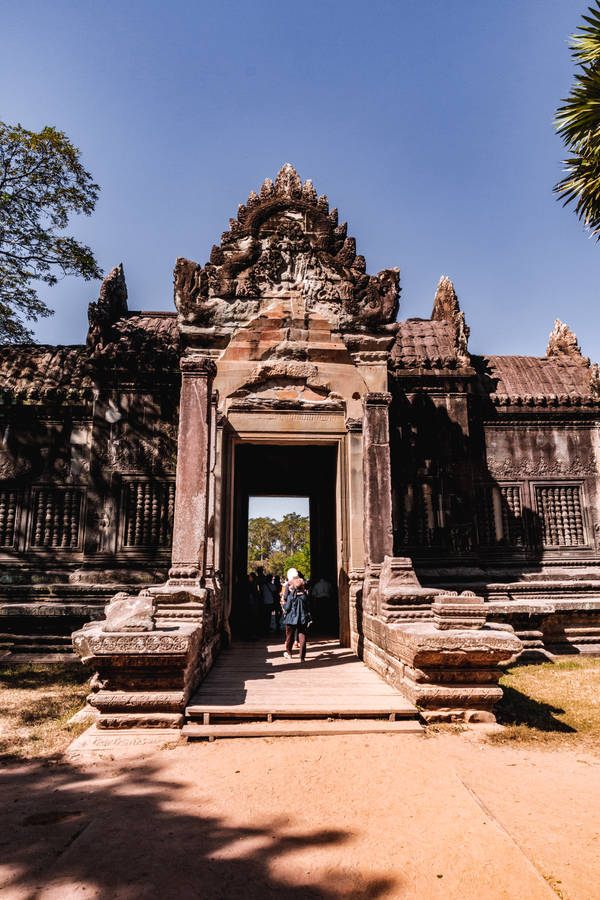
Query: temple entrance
[{"x": 268, "y": 470}]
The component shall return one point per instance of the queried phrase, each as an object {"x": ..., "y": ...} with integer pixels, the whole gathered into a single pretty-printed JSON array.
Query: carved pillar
[
  {"x": 378, "y": 530},
  {"x": 193, "y": 452},
  {"x": 210, "y": 533}
]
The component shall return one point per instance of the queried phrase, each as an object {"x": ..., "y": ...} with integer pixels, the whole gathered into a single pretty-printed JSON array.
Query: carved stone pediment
[
  {"x": 290, "y": 383},
  {"x": 285, "y": 244}
]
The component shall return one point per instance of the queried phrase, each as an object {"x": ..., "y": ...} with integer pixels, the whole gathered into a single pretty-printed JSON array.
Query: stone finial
[
  {"x": 446, "y": 308},
  {"x": 267, "y": 190},
  {"x": 445, "y": 304},
  {"x": 595, "y": 381},
  {"x": 562, "y": 341},
  {"x": 288, "y": 182},
  {"x": 462, "y": 332},
  {"x": 110, "y": 306},
  {"x": 113, "y": 292}
]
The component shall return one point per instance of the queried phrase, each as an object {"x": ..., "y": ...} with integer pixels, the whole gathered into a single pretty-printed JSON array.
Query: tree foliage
[
  {"x": 278, "y": 545},
  {"x": 42, "y": 183},
  {"x": 261, "y": 538},
  {"x": 578, "y": 123}
]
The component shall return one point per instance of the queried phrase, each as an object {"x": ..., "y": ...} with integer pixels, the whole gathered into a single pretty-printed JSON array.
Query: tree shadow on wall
[
  {"x": 119, "y": 833},
  {"x": 449, "y": 510}
]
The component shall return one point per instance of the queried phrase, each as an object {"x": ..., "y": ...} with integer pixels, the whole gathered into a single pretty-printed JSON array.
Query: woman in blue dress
[{"x": 296, "y": 617}]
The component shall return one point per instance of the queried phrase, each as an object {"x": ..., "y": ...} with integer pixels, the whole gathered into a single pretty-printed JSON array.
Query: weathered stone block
[
  {"x": 449, "y": 674},
  {"x": 126, "y": 612}
]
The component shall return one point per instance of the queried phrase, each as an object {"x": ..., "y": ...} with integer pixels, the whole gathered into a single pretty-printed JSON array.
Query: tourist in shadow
[
  {"x": 252, "y": 607},
  {"x": 296, "y": 617}
]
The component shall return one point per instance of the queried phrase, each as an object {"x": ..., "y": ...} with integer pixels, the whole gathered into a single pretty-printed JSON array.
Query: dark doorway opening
[{"x": 280, "y": 470}]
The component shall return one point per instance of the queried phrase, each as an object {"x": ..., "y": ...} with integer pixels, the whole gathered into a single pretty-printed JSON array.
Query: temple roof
[
  {"x": 143, "y": 330},
  {"x": 558, "y": 379},
  {"x": 424, "y": 343},
  {"x": 140, "y": 343},
  {"x": 33, "y": 371}
]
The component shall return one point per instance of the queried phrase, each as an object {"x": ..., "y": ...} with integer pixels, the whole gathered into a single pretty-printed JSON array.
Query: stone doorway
[{"x": 287, "y": 470}]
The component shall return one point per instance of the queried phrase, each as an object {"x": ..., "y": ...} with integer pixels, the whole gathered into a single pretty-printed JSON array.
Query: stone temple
[{"x": 454, "y": 497}]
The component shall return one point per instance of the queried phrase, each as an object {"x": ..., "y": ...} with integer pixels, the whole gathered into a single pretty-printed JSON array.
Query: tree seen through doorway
[{"x": 279, "y": 542}]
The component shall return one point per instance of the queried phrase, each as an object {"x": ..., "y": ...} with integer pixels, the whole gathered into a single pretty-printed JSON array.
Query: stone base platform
[{"x": 450, "y": 675}]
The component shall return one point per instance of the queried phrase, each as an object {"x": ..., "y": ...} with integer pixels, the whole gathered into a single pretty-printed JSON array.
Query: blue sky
[
  {"x": 277, "y": 507},
  {"x": 428, "y": 123}
]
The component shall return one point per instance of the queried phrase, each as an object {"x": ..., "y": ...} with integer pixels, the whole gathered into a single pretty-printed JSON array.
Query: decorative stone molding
[
  {"x": 508, "y": 468},
  {"x": 453, "y": 610},
  {"x": 353, "y": 424},
  {"x": 377, "y": 398},
  {"x": 196, "y": 364},
  {"x": 92, "y": 642}
]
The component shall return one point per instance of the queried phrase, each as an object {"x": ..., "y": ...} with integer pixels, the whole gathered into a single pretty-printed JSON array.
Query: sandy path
[{"x": 375, "y": 816}]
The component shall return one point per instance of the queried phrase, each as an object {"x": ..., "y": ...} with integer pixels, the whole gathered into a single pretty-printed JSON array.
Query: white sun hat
[{"x": 292, "y": 573}]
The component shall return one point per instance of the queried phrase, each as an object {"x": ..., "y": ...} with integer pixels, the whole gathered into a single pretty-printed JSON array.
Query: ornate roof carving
[
  {"x": 446, "y": 308},
  {"x": 110, "y": 306},
  {"x": 445, "y": 304},
  {"x": 285, "y": 244},
  {"x": 562, "y": 341}
]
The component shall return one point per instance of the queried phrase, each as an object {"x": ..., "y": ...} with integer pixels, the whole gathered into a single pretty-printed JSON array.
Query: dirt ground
[{"x": 448, "y": 815}]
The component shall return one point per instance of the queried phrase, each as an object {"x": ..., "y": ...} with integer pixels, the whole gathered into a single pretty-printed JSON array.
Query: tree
[
  {"x": 293, "y": 532},
  {"x": 578, "y": 123},
  {"x": 261, "y": 537},
  {"x": 42, "y": 183}
]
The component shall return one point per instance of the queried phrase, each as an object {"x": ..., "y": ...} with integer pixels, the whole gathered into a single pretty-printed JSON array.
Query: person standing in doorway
[
  {"x": 321, "y": 594},
  {"x": 269, "y": 597},
  {"x": 290, "y": 575},
  {"x": 296, "y": 617}
]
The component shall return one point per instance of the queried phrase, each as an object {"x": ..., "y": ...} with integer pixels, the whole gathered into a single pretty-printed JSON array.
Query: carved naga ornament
[{"x": 285, "y": 245}]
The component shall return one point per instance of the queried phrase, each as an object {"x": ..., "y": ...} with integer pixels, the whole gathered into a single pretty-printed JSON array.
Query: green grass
[
  {"x": 551, "y": 703},
  {"x": 36, "y": 703}
]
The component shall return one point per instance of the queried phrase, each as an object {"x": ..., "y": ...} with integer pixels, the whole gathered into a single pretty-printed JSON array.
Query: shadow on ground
[
  {"x": 517, "y": 708},
  {"x": 128, "y": 833}
]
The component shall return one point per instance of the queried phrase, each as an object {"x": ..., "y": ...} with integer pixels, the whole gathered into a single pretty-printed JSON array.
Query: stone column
[
  {"x": 378, "y": 530},
  {"x": 193, "y": 451}
]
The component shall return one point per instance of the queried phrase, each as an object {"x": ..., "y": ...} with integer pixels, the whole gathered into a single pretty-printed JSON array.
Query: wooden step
[
  {"x": 284, "y": 728},
  {"x": 260, "y": 683},
  {"x": 302, "y": 710}
]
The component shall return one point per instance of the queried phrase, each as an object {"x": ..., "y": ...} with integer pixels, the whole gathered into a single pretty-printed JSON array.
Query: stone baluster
[{"x": 191, "y": 484}]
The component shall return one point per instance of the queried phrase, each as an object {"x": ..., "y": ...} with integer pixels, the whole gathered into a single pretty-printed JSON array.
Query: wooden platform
[
  {"x": 301, "y": 727},
  {"x": 253, "y": 681}
]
